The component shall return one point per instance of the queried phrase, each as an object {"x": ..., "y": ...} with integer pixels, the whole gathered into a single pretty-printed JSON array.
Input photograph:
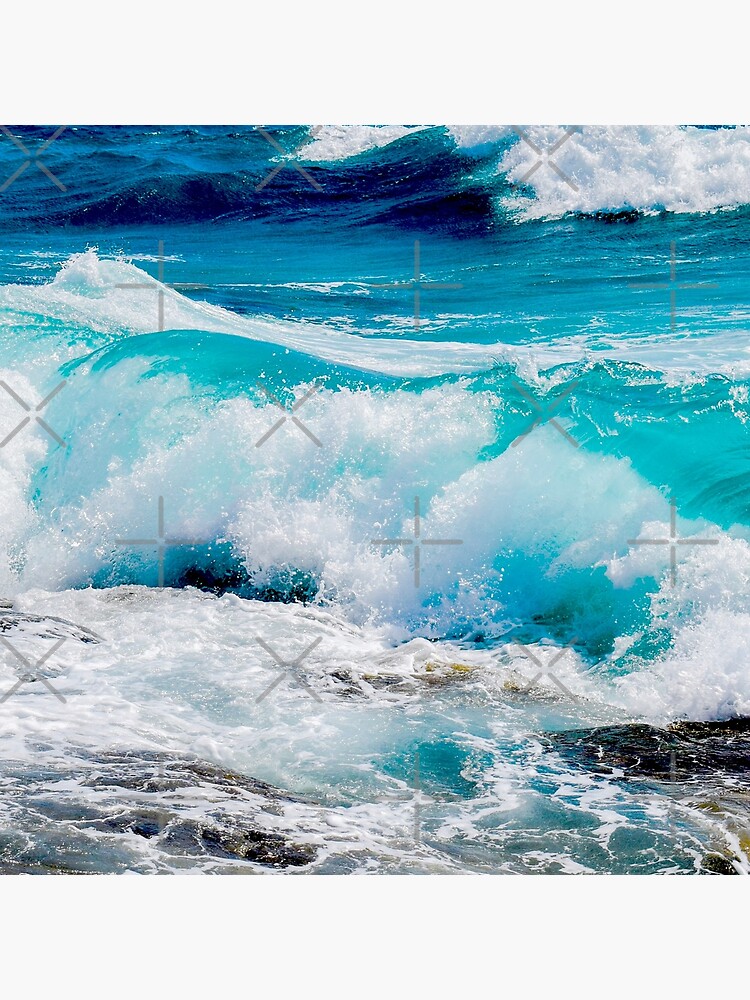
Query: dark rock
[
  {"x": 44, "y": 627},
  {"x": 152, "y": 771},
  {"x": 234, "y": 831},
  {"x": 236, "y": 841},
  {"x": 144, "y": 824},
  {"x": 717, "y": 864},
  {"x": 677, "y": 753}
]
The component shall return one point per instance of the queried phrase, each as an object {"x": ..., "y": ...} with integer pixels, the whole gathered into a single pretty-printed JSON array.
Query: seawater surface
[{"x": 381, "y": 505}]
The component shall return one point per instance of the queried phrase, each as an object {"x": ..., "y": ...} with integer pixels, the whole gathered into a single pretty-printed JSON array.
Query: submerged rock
[
  {"x": 678, "y": 753},
  {"x": 18, "y": 624},
  {"x": 168, "y": 772},
  {"x": 189, "y": 811},
  {"x": 236, "y": 841},
  {"x": 227, "y": 832}
]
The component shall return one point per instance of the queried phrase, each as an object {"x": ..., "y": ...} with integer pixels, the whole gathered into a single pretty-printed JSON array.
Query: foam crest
[
  {"x": 479, "y": 139},
  {"x": 340, "y": 142},
  {"x": 621, "y": 168},
  {"x": 283, "y": 508},
  {"x": 105, "y": 296}
]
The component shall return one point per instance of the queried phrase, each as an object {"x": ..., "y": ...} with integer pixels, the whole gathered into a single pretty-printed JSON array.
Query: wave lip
[{"x": 340, "y": 142}]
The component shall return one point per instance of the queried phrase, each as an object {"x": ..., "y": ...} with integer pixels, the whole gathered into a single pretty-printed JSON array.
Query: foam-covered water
[
  {"x": 614, "y": 168},
  {"x": 569, "y": 410}
]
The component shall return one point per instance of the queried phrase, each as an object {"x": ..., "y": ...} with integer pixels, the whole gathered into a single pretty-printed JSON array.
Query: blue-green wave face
[
  {"x": 406, "y": 385},
  {"x": 293, "y": 452}
]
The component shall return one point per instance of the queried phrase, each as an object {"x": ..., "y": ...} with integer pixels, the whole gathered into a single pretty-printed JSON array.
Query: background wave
[{"x": 468, "y": 177}]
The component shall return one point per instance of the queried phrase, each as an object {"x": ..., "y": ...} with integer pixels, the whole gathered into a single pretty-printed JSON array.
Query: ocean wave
[
  {"x": 389, "y": 435},
  {"x": 548, "y": 172},
  {"x": 480, "y": 175}
]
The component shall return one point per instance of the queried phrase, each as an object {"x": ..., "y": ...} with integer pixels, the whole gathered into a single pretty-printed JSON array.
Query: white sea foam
[
  {"x": 478, "y": 139},
  {"x": 340, "y": 142},
  {"x": 616, "y": 168},
  {"x": 182, "y": 673},
  {"x": 18, "y": 458},
  {"x": 705, "y": 674},
  {"x": 525, "y": 547}
]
